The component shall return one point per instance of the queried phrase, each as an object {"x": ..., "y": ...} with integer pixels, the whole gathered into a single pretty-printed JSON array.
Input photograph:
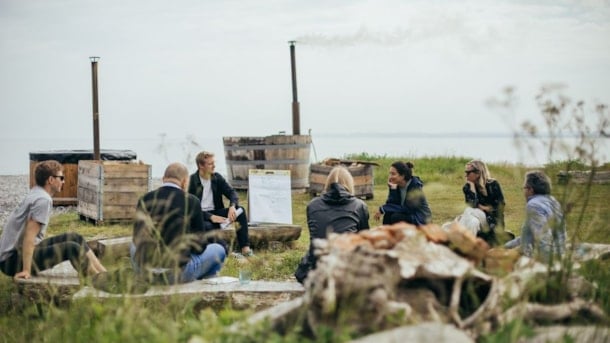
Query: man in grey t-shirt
[{"x": 23, "y": 247}]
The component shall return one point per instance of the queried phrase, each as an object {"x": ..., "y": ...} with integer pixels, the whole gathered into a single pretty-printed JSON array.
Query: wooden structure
[
  {"x": 61, "y": 285},
  {"x": 108, "y": 191},
  {"x": 581, "y": 177},
  {"x": 263, "y": 235},
  {"x": 278, "y": 152},
  {"x": 69, "y": 160},
  {"x": 362, "y": 172}
]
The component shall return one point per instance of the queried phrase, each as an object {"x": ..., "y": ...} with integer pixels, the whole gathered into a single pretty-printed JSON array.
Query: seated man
[
  {"x": 24, "y": 250},
  {"x": 543, "y": 234},
  {"x": 169, "y": 232},
  {"x": 209, "y": 187}
]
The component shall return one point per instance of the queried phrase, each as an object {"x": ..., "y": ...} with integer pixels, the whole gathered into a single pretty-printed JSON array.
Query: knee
[
  {"x": 74, "y": 249},
  {"x": 216, "y": 250}
]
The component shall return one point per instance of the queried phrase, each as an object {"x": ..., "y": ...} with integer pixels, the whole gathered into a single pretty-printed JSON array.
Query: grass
[{"x": 132, "y": 320}]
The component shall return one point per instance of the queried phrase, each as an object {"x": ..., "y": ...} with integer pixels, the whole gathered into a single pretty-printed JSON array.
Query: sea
[{"x": 160, "y": 150}]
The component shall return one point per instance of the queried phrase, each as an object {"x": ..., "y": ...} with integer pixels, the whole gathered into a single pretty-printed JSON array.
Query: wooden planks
[{"x": 109, "y": 190}]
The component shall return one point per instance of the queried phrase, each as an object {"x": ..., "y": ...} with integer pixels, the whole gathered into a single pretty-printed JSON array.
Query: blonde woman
[
  {"x": 336, "y": 210},
  {"x": 484, "y": 195}
]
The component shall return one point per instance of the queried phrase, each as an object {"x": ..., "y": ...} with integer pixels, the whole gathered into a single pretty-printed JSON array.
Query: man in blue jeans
[{"x": 169, "y": 232}]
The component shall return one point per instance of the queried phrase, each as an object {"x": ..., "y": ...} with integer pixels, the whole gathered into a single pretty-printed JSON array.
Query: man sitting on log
[
  {"x": 24, "y": 250},
  {"x": 209, "y": 187}
]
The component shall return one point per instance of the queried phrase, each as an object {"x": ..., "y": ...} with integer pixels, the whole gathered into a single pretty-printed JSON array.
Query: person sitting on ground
[
  {"x": 406, "y": 200},
  {"x": 169, "y": 233},
  {"x": 209, "y": 187},
  {"x": 24, "y": 250},
  {"x": 483, "y": 195},
  {"x": 543, "y": 234},
  {"x": 336, "y": 210}
]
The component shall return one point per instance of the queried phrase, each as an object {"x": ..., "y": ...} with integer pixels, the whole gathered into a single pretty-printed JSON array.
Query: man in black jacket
[
  {"x": 209, "y": 187},
  {"x": 169, "y": 231}
]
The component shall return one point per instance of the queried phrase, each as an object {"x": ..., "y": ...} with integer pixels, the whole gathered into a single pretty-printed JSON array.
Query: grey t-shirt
[{"x": 37, "y": 206}]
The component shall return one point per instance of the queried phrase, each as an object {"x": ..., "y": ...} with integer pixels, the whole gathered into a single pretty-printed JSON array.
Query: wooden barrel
[
  {"x": 362, "y": 174},
  {"x": 69, "y": 159},
  {"x": 277, "y": 152}
]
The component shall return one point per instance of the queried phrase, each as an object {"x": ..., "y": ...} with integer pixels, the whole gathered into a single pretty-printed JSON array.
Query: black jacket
[
  {"x": 168, "y": 227},
  {"x": 220, "y": 187},
  {"x": 415, "y": 206},
  {"x": 494, "y": 198},
  {"x": 336, "y": 211}
]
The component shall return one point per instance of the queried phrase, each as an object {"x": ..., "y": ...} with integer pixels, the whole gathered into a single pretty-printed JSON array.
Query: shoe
[
  {"x": 238, "y": 255},
  {"x": 250, "y": 253}
]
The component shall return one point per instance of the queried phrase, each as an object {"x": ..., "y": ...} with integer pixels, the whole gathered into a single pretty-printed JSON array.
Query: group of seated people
[
  {"x": 543, "y": 233},
  {"x": 172, "y": 224}
]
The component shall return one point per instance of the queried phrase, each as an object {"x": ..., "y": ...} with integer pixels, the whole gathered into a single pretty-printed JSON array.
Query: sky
[{"x": 205, "y": 68}]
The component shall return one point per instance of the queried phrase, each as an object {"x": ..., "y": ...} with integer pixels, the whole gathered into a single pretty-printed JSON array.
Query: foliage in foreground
[{"x": 587, "y": 210}]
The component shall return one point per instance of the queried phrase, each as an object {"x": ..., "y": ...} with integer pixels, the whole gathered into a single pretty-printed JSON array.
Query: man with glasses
[
  {"x": 543, "y": 234},
  {"x": 24, "y": 250}
]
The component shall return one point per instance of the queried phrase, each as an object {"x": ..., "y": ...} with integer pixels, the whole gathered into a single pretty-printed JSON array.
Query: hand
[
  {"x": 231, "y": 215},
  {"x": 485, "y": 208},
  {"x": 218, "y": 219},
  {"x": 25, "y": 274}
]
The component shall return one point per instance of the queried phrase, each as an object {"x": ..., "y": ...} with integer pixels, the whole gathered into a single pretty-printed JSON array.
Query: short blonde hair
[
  {"x": 342, "y": 176},
  {"x": 202, "y": 156}
]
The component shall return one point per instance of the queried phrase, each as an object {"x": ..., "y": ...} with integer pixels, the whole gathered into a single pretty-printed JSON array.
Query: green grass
[{"x": 132, "y": 320}]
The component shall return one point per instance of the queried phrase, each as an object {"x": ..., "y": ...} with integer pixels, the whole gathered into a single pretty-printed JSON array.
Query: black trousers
[
  {"x": 50, "y": 252},
  {"x": 241, "y": 232}
]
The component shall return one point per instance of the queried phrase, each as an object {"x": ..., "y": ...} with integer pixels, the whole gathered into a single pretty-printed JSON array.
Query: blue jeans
[{"x": 206, "y": 264}]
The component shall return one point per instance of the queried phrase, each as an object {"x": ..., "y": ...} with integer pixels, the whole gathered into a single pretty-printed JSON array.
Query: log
[
  {"x": 215, "y": 293},
  {"x": 545, "y": 313},
  {"x": 262, "y": 235},
  {"x": 55, "y": 285},
  {"x": 111, "y": 248}
]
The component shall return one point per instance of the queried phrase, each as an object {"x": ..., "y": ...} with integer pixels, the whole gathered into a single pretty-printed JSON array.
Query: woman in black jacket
[
  {"x": 482, "y": 192},
  {"x": 336, "y": 210},
  {"x": 406, "y": 200}
]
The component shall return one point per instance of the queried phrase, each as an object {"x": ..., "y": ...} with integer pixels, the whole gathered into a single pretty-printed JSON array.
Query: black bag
[{"x": 303, "y": 269}]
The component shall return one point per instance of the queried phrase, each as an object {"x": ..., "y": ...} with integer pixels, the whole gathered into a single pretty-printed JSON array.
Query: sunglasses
[
  {"x": 470, "y": 171},
  {"x": 61, "y": 177}
]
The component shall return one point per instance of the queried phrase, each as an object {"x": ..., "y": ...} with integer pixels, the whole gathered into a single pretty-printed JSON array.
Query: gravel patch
[{"x": 14, "y": 188}]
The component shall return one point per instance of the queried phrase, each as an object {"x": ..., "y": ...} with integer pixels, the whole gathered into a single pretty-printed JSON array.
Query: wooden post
[{"x": 96, "y": 113}]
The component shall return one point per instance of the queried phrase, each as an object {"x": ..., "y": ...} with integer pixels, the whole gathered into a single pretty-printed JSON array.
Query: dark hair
[
  {"x": 538, "y": 182},
  {"x": 46, "y": 169},
  {"x": 404, "y": 168}
]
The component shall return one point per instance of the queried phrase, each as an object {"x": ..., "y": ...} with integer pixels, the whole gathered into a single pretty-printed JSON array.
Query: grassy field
[{"x": 587, "y": 208}]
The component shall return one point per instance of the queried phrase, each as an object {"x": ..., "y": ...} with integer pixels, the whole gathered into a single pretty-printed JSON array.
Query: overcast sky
[{"x": 222, "y": 68}]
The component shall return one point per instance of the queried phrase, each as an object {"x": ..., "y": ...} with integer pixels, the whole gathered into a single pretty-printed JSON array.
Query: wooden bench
[
  {"x": 110, "y": 248},
  {"x": 580, "y": 177},
  {"x": 263, "y": 235},
  {"x": 215, "y": 293},
  {"x": 61, "y": 285},
  {"x": 56, "y": 285}
]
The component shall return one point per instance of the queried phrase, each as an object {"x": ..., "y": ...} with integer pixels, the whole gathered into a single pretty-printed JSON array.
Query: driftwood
[{"x": 401, "y": 275}]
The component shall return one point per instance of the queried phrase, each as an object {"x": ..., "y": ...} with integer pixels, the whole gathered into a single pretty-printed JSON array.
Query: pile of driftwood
[{"x": 400, "y": 275}]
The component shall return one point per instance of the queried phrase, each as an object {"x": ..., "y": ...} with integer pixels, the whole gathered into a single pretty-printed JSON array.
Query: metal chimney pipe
[
  {"x": 296, "y": 116},
  {"x": 96, "y": 113}
]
